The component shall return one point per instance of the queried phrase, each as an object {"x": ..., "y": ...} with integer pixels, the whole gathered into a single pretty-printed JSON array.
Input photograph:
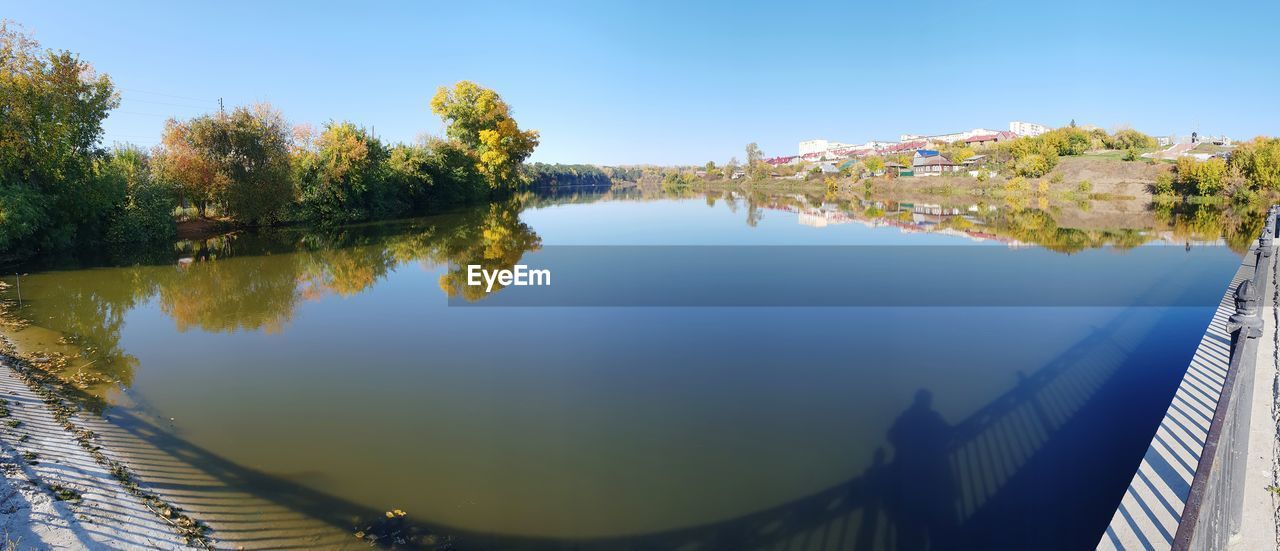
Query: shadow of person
[{"x": 922, "y": 490}]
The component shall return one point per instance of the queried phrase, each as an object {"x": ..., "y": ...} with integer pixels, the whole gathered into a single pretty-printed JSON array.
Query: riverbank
[
  {"x": 59, "y": 494},
  {"x": 78, "y": 479}
]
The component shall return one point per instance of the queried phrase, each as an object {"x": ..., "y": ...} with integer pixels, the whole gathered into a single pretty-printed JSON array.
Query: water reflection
[
  {"x": 247, "y": 282},
  {"x": 922, "y": 477},
  {"x": 255, "y": 281}
]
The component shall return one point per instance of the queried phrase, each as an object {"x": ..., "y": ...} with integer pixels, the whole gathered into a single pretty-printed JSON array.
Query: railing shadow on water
[
  {"x": 1213, "y": 513},
  {"x": 918, "y": 494}
]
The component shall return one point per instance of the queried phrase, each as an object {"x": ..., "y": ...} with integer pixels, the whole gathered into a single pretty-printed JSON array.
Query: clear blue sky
[{"x": 673, "y": 82}]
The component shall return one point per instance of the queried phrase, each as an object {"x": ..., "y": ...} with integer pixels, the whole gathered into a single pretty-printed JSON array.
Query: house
[
  {"x": 898, "y": 169},
  {"x": 929, "y": 162},
  {"x": 987, "y": 139},
  {"x": 828, "y": 168},
  {"x": 975, "y": 161}
]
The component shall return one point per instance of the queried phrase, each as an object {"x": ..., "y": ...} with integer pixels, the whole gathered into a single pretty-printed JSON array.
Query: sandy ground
[
  {"x": 40, "y": 460},
  {"x": 108, "y": 516}
]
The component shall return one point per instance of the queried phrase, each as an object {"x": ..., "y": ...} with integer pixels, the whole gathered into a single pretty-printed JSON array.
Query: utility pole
[{"x": 220, "y": 110}]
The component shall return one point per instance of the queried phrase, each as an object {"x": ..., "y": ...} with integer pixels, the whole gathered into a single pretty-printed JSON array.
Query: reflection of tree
[
  {"x": 253, "y": 282},
  {"x": 498, "y": 241},
  {"x": 253, "y": 292},
  {"x": 1237, "y": 225},
  {"x": 86, "y": 310}
]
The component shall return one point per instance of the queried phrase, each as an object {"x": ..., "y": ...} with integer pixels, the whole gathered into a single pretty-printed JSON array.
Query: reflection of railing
[{"x": 1212, "y": 514}]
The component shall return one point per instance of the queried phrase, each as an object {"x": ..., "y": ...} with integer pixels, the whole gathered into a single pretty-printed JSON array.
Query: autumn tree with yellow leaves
[{"x": 481, "y": 122}]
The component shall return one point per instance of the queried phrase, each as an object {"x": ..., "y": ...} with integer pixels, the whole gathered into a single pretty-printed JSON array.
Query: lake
[{"x": 874, "y": 374}]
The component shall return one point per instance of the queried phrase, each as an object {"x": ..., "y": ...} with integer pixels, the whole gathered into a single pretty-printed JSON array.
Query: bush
[
  {"x": 145, "y": 212},
  {"x": 1164, "y": 184},
  {"x": 1084, "y": 186},
  {"x": 1130, "y": 154},
  {"x": 1017, "y": 184},
  {"x": 1258, "y": 161},
  {"x": 147, "y": 215},
  {"x": 1131, "y": 139},
  {"x": 1205, "y": 177},
  {"x": 1034, "y": 165},
  {"x": 21, "y": 215}
]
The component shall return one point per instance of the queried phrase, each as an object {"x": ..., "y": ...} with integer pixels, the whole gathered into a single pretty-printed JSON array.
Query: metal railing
[{"x": 1212, "y": 515}]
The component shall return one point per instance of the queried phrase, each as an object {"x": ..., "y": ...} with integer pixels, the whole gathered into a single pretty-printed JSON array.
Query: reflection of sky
[
  {"x": 692, "y": 222},
  {"x": 592, "y": 421}
]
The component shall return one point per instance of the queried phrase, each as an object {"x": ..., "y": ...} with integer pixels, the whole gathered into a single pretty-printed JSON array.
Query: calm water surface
[{"x": 333, "y": 367}]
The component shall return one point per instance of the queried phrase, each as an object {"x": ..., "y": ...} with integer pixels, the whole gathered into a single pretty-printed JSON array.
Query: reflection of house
[{"x": 929, "y": 162}]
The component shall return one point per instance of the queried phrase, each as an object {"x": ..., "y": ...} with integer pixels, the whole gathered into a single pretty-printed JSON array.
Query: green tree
[
  {"x": 757, "y": 169},
  {"x": 344, "y": 179},
  {"x": 52, "y": 105},
  {"x": 239, "y": 161},
  {"x": 481, "y": 122},
  {"x": 146, "y": 214}
]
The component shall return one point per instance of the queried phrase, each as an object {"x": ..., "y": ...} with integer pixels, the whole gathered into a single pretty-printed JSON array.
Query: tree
[
  {"x": 874, "y": 164},
  {"x": 757, "y": 169},
  {"x": 961, "y": 154},
  {"x": 344, "y": 179},
  {"x": 196, "y": 174},
  {"x": 146, "y": 214},
  {"x": 1259, "y": 162},
  {"x": 731, "y": 167},
  {"x": 1034, "y": 165},
  {"x": 239, "y": 161},
  {"x": 1131, "y": 139},
  {"x": 1207, "y": 177},
  {"x": 52, "y": 106},
  {"x": 481, "y": 122}
]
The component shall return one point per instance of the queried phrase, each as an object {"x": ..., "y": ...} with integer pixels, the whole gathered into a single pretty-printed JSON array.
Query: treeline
[
  {"x": 1035, "y": 156},
  {"x": 1252, "y": 168},
  {"x": 249, "y": 166},
  {"x": 542, "y": 175}
]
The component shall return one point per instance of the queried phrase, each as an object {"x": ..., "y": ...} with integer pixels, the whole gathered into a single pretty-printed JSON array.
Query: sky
[{"x": 685, "y": 82}]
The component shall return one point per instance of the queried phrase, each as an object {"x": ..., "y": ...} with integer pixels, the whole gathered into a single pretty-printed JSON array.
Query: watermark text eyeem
[{"x": 520, "y": 275}]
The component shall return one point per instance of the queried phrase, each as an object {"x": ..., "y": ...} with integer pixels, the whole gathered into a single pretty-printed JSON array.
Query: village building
[
  {"x": 987, "y": 139},
  {"x": 928, "y": 162},
  {"x": 1022, "y": 128}
]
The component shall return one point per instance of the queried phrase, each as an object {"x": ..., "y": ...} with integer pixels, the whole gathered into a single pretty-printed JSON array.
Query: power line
[
  {"x": 138, "y": 113},
  {"x": 167, "y": 103},
  {"x": 135, "y": 90}
]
